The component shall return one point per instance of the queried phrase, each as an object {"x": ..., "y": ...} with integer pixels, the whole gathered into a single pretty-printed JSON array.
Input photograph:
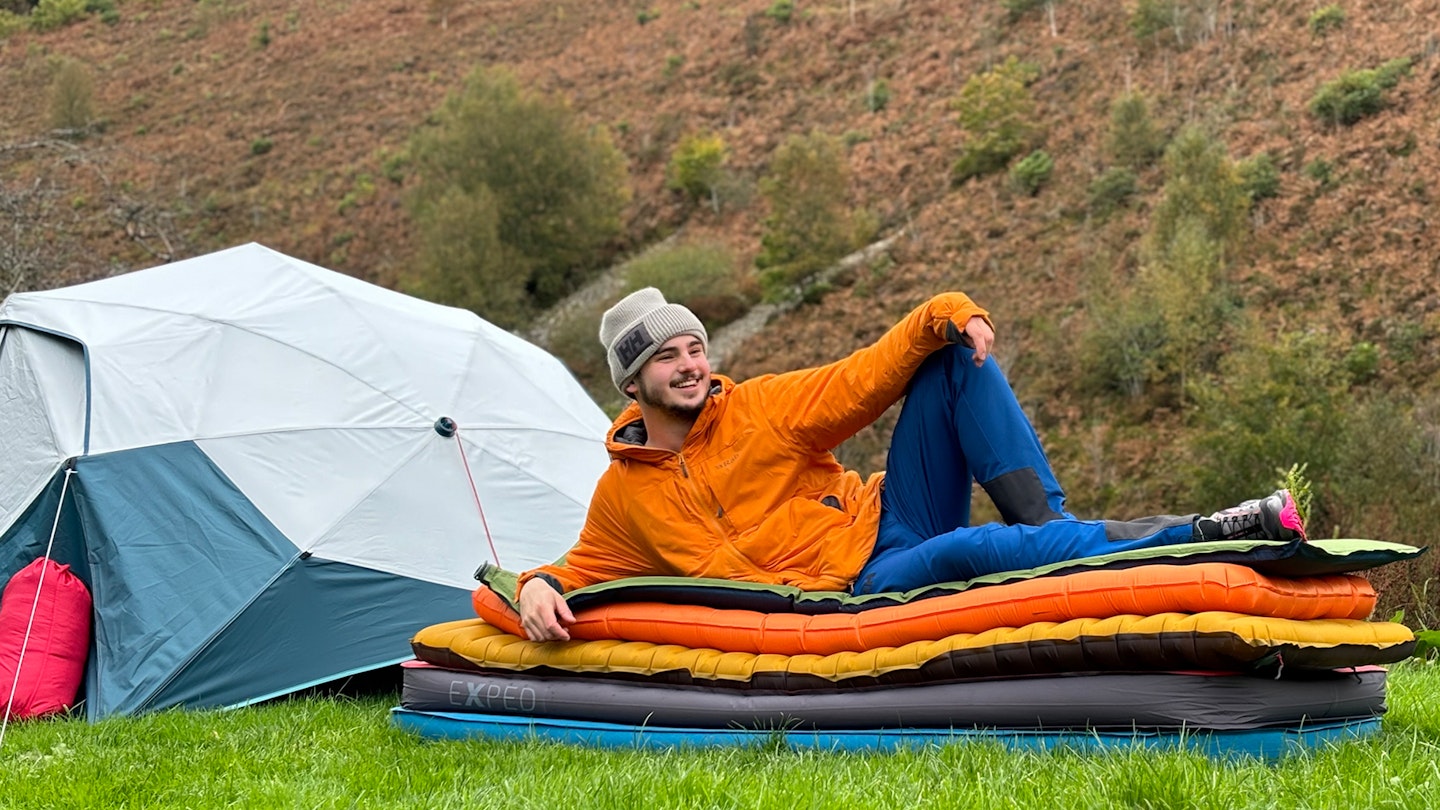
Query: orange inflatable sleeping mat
[{"x": 1145, "y": 590}]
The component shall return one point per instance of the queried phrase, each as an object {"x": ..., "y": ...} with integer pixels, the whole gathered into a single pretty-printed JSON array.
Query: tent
[{"x": 271, "y": 475}]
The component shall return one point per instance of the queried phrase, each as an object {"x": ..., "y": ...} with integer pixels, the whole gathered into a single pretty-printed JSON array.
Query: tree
[
  {"x": 810, "y": 224},
  {"x": 1203, "y": 184},
  {"x": 1132, "y": 140},
  {"x": 517, "y": 199},
  {"x": 697, "y": 167},
  {"x": 72, "y": 96},
  {"x": 997, "y": 112},
  {"x": 1195, "y": 227}
]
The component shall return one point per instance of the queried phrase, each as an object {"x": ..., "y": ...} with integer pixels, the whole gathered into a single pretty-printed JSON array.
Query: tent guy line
[{"x": 35, "y": 605}]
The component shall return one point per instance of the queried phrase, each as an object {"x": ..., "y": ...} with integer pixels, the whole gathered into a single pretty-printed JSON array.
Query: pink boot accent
[{"x": 1290, "y": 517}]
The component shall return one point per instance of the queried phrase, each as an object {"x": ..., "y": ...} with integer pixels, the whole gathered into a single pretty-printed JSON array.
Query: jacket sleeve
[
  {"x": 603, "y": 552},
  {"x": 822, "y": 407}
]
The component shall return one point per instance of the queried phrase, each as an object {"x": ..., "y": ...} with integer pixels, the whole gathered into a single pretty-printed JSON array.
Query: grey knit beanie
[{"x": 637, "y": 326}]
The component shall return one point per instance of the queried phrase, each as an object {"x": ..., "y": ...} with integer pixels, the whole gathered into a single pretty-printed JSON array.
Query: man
[{"x": 709, "y": 478}]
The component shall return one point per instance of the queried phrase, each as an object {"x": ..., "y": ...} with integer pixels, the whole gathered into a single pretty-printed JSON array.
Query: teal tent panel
[
  {"x": 319, "y": 621},
  {"x": 175, "y": 551},
  {"x": 28, "y": 537}
]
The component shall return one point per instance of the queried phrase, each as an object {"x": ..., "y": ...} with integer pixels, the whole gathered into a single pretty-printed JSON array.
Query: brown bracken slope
[{"x": 277, "y": 122}]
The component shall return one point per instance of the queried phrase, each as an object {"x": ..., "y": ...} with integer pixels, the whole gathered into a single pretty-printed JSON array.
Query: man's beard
[{"x": 678, "y": 411}]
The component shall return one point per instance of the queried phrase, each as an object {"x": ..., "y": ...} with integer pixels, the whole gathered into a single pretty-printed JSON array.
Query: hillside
[{"x": 283, "y": 123}]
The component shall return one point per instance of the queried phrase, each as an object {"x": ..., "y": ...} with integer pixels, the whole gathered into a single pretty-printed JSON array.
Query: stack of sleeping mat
[{"x": 1252, "y": 647}]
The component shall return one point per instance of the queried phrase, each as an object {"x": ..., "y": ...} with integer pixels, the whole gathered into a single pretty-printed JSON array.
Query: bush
[
  {"x": 554, "y": 188},
  {"x": 1018, "y": 8},
  {"x": 1326, "y": 19},
  {"x": 1277, "y": 401},
  {"x": 877, "y": 95},
  {"x": 1132, "y": 140},
  {"x": 1362, "y": 362},
  {"x": 1321, "y": 171},
  {"x": 72, "y": 96},
  {"x": 574, "y": 338},
  {"x": 1259, "y": 177},
  {"x": 1372, "y": 457},
  {"x": 781, "y": 11},
  {"x": 1032, "y": 172},
  {"x": 1150, "y": 18},
  {"x": 997, "y": 113},
  {"x": 52, "y": 14},
  {"x": 464, "y": 260},
  {"x": 1121, "y": 347},
  {"x": 703, "y": 277},
  {"x": 1357, "y": 94},
  {"x": 697, "y": 166},
  {"x": 10, "y": 23},
  {"x": 1111, "y": 190},
  {"x": 810, "y": 225},
  {"x": 261, "y": 146}
]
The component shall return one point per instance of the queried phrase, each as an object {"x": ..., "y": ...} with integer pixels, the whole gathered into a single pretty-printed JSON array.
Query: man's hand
[
  {"x": 981, "y": 337},
  {"x": 543, "y": 612}
]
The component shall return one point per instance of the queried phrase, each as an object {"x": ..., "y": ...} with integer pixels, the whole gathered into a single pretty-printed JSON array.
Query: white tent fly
[{"x": 271, "y": 474}]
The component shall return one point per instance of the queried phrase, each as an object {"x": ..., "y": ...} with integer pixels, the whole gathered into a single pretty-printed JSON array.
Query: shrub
[
  {"x": 1259, "y": 177},
  {"x": 1150, "y": 18},
  {"x": 1289, "y": 399},
  {"x": 877, "y": 95},
  {"x": 464, "y": 260},
  {"x": 261, "y": 146},
  {"x": 1120, "y": 348},
  {"x": 105, "y": 9},
  {"x": 1321, "y": 171},
  {"x": 10, "y": 23},
  {"x": 1357, "y": 94},
  {"x": 1018, "y": 8},
  {"x": 72, "y": 96},
  {"x": 997, "y": 113},
  {"x": 553, "y": 187},
  {"x": 1132, "y": 139},
  {"x": 1032, "y": 172},
  {"x": 703, "y": 277},
  {"x": 1111, "y": 190},
  {"x": 1386, "y": 471},
  {"x": 1278, "y": 400},
  {"x": 1362, "y": 362},
  {"x": 697, "y": 166},
  {"x": 1326, "y": 19},
  {"x": 52, "y": 14},
  {"x": 810, "y": 224},
  {"x": 574, "y": 338},
  {"x": 781, "y": 11}
]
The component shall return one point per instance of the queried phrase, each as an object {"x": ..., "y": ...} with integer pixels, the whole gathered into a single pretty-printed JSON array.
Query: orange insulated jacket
[{"x": 755, "y": 493}]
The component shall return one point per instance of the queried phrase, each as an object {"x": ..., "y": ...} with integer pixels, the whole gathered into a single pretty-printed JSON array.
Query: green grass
[{"x": 329, "y": 752}]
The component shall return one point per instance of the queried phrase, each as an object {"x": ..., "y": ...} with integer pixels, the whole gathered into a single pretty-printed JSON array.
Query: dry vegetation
[{"x": 214, "y": 122}]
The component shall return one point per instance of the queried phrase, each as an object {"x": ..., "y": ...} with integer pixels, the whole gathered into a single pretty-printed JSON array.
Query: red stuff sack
[{"x": 54, "y": 662}]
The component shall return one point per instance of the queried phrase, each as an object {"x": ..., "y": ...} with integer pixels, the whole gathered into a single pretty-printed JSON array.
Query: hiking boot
[{"x": 1273, "y": 517}]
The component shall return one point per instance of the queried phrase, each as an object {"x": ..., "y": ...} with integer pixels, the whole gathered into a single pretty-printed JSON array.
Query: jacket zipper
[{"x": 719, "y": 514}]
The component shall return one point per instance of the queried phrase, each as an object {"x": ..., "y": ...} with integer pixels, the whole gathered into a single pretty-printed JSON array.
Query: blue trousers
[{"x": 962, "y": 422}]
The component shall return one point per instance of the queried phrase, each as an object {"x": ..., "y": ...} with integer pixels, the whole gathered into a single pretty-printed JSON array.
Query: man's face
[{"x": 676, "y": 379}]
